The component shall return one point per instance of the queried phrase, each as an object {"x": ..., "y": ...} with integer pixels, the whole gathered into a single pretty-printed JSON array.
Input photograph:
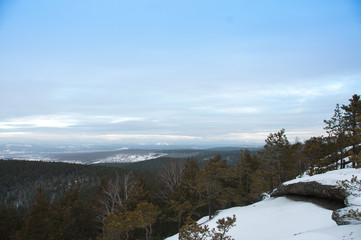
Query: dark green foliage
[
  {"x": 281, "y": 162},
  {"x": 11, "y": 221},
  {"x": 337, "y": 138},
  {"x": 19, "y": 180},
  {"x": 67, "y": 218},
  {"x": 246, "y": 170},
  {"x": 352, "y": 121},
  {"x": 193, "y": 231},
  {"x": 38, "y": 222},
  {"x": 313, "y": 151},
  {"x": 72, "y": 218}
]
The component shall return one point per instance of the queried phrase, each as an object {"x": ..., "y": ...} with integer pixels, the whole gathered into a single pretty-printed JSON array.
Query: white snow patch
[
  {"x": 126, "y": 158},
  {"x": 329, "y": 178},
  {"x": 353, "y": 200}
]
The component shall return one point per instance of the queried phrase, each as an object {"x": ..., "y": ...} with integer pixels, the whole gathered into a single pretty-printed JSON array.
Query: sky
[{"x": 175, "y": 72}]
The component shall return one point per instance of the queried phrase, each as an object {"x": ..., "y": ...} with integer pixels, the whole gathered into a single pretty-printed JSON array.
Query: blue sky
[{"x": 175, "y": 72}]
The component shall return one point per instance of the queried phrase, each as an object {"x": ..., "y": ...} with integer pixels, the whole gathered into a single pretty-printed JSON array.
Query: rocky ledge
[
  {"x": 311, "y": 188},
  {"x": 328, "y": 186}
]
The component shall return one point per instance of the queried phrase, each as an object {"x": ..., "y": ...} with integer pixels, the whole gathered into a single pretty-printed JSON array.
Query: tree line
[{"x": 113, "y": 203}]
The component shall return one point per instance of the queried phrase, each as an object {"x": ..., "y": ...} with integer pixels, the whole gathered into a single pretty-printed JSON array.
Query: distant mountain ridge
[{"x": 90, "y": 155}]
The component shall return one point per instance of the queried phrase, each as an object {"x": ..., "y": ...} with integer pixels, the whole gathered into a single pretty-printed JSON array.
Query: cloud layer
[{"x": 179, "y": 73}]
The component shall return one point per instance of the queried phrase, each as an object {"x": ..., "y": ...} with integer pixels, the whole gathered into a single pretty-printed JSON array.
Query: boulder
[
  {"x": 311, "y": 188},
  {"x": 347, "y": 215}
]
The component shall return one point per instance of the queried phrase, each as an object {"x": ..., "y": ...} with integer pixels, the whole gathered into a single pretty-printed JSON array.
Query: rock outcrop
[
  {"x": 322, "y": 187},
  {"x": 312, "y": 188}
]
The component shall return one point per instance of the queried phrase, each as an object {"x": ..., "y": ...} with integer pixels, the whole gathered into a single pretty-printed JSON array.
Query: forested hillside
[{"x": 43, "y": 200}]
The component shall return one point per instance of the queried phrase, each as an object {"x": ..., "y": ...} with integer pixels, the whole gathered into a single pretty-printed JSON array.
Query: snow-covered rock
[
  {"x": 329, "y": 178},
  {"x": 347, "y": 216},
  {"x": 328, "y": 185}
]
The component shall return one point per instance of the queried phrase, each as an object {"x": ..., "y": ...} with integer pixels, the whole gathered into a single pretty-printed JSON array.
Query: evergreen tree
[
  {"x": 186, "y": 190},
  {"x": 37, "y": 226},
  {"x": 72, "y": 218},
  {"x": 119, "y": 226},
  {"x": 194, "y": 231},
  {"x": 147, "y": 216},
  {"x": 137, "y": 194},
  {"x": 337, "y": 138},
  {"x": 10, "y": 222},
  {"x": 314, "y": 150},
  {"x": 352, "y": 122},
  {"x": 260, "y": 183},
  {"x": 246, "y": 168},
  {"x": 179, "y": 210},
  {"x": 208, "y": 182},
  {"x": 277, "y": 154}
]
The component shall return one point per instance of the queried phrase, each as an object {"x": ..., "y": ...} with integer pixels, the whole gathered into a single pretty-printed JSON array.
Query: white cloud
[
  {"x": 227, "y": 109},
  {"x": 14, "y": 134},
  {"x": 245, "y": 110},
  {"x": 62, "y": 121},
  {"x": 114, "y": 137},
  {"x": 97, "y": 137},
  {"x": 334, "y": 86},
  {"x": 243, "y": 136},
  {"x": 125, "y": 119},
  {"x": 52, "y": 121}
]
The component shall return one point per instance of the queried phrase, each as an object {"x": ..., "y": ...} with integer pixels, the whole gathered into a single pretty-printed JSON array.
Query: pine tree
[
  {"x": 337, "y": 138},
  {"x": 136, "y": 194},
  {"x": 148, "y": 214},
  {"x": 119, "y": 226},
  {"x": 277, "y": 154},
  {"x": 314, "y": 150},
  {"x": 37, "y": 225},
  {"x": 245, "y": 168},
  {"x": 191, "y": 230},
  {"x": 194, "y": 231},
  {"x": 179, "y": 210},
  {"x": 72, "y": 218},
  {"x": 352, "y": 122},
  {"x": 10, "y": 222},
  {"x": 208, "y": 182}
]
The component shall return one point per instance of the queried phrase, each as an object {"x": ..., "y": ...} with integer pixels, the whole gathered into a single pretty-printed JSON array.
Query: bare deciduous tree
[
  {"x": 114, "y": 192},
  {"x": 171, "y": 176}
]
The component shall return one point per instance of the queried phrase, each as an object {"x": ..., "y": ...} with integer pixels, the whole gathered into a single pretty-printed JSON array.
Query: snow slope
[{"x": 284, "y": 219}]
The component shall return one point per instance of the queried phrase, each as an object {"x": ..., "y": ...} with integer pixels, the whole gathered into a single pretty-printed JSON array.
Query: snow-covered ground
[
  {"x": 329, "y": 178},
  {"x": 127, "y": 158},
  {"x": 283, "y": 219}
]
